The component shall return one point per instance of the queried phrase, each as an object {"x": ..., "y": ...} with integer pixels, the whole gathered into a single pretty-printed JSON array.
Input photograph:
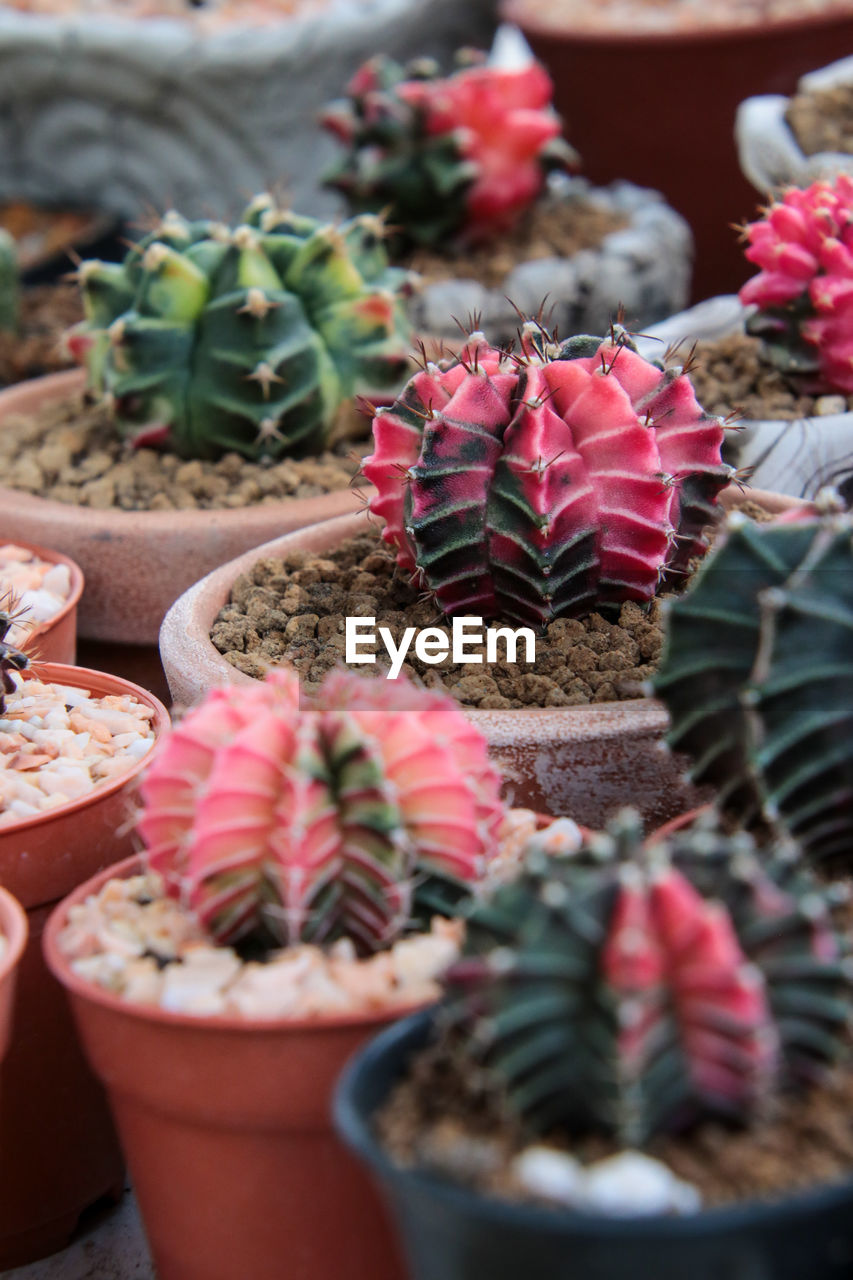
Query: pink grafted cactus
[
  {"x": 804, "y": 291},
  {"x": 282, "y": 821},
  {"x": 547, "y": 483},
  {"x": 446, "y": 157}
]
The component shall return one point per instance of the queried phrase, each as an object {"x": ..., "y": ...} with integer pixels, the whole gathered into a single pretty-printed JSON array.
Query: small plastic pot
[
  {"x": 450, "y": 1231},
  {"x": 56, "y": 639},
  {"x": 58, "y": 1148},
  {"x": 13, "y": 930},
  {"x": 226, "y": 1125}
]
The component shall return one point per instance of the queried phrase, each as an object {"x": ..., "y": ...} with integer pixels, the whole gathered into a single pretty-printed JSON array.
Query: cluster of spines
[
  {"x": 757, "y": 676},
  {"x": 637, "y": 988},
  {"x": 545, "y": 482},
  {"x": 279, "y": 821},
  {"x": 213, "y": 339}
]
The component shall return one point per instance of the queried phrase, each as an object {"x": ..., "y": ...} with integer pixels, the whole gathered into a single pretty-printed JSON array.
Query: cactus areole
[
  {"x": 757, "y": 676},
  {"x": 552, "y": 482},
  {"x": 446, "y": 157},
  {"x": 211, "y": 339},
  {"x": 635, "y": 988},
  {"x": 803, "y": 294},
  {"x": 281, "y": 822}
]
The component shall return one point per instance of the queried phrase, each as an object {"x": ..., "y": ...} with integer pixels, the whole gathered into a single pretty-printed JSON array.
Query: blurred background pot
[
  {"x": 55, "y": 640},
  {"x": 13, "y": 931},
  {"x": 659, "y": 108},
  {"x": 770, "y": 155},
  {"x": 58, "y": 1150}
]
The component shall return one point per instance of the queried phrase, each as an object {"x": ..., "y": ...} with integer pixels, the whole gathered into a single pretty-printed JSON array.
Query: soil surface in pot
[
  {"x": 667, "y": 15},
  {"x": 35, "y": 590},
  {"x": 731, "y": 378},
  {"x": 47, "y": 310},
  {"x": 448, "y": 1119},
  {"x": 294, "y": 611},
  {"x": 822, "y": 120},
  {"x": 69, "y": 451},
  {"x": 551, "y": 229}
]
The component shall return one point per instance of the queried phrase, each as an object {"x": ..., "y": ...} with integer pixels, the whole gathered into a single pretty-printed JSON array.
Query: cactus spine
[
  {"x": 757, "y": 675},
  {"x": 804, "y": 290},
  {"x": 637, "y": 988},
  {"x": 279, "y": 822},
  {"x": 553, "y": 482},
  {"x": 212, "y": 339},
  {"x": 456, "y": 157}
]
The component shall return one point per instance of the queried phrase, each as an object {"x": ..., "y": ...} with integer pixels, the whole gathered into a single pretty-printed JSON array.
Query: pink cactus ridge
[{"x": 537, "y": 485}]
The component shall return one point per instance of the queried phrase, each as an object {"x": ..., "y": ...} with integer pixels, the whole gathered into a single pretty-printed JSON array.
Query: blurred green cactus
[{"x": 9, "y": 293}]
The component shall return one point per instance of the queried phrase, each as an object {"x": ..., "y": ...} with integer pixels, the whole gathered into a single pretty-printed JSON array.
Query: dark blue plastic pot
[{"x": 452, "y": 1233}]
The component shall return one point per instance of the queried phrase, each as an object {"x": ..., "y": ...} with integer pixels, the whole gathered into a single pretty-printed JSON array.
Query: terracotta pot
[
  {"x": 639, "y": 105},
  {"x": 226, "y": 1126},
  {"x": 58, "y": 1151},
  {"x": 13, "y": 929},
  {"x": 56, "y": 639},
  {"x": 583, "y": 761},
  {"x": 137, "y": 562}
]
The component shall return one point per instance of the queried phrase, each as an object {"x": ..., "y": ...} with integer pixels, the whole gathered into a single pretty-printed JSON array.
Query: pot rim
[
  {"x": 519, "y": 12},
  {"x": 354, "y": 1128},
  {"x": 15, "y": 927},
  {"x": 82, "y": 989},
  {"x": 79, "y": 678},
  {"x": 183, "y": 629},
  {"x": 78, "y": 582},
  {"x": 114, "y": 521}
]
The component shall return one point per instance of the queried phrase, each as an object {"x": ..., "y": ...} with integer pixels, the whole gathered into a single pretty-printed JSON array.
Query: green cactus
[
  {"x": 9, "y": 297},
  {"x": 212, "y": 339},
  {"x": 757, "y": 675},
  {"x": 634, "y": 988}
]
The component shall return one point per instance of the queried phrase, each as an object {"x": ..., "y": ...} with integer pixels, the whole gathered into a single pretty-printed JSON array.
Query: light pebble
[
  {"x": 626, "y": 1185},
  {"x": 45, "y": 761}
]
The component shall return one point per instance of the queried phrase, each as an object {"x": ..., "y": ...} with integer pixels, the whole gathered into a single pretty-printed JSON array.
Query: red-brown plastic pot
[
  {"x": 56, "y": 639},
  {"x": 58, "y": 1150},
  {"x": 13, "y": 931},
  {"x": 659, "y": 108},
  {"x": 226, "y": 1126}
]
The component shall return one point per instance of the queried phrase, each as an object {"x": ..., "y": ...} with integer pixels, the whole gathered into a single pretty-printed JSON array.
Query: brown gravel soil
[
  {"x": 293, "y": 611},
  {"x": 823, "y": 120},
  {"x": 69, "y": 451},
  {"x": 446, "y": 1119},
  {"x": 730, "y": 377},
  {"x": 47, "y": 310},
  {"x": 550, "y": 229}
]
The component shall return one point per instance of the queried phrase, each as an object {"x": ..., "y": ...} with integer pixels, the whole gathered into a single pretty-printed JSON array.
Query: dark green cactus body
[
  {"x": 635, "y": 988},
  {"x": 247, "y": 340},
  {"x": 757, "y": 674},
  {"x": 9, "y": 299}
]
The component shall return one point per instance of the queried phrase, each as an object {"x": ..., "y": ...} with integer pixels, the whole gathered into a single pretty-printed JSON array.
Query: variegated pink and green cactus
[
  {"x": 546, "y": 483},
  {"x": 279, "y": 820},
  {"x": 636, "y": 987}
]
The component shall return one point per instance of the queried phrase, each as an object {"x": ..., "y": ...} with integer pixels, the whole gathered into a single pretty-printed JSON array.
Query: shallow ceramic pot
[
  {"x": 659, "y": 108},
  {"x": 796, "y": 457},
  {"x": 584, "y": 761},
  {"x": 13, "y": 930},
  {"x": 452, "y": 1231},
  {"x": 769, "y": 153},
  {"x": 226, "y": 1125},
  {"x": 58, "y": 1150},
  {"x": 137, "y": 562},
  {"x": 56, "y": 639}
]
